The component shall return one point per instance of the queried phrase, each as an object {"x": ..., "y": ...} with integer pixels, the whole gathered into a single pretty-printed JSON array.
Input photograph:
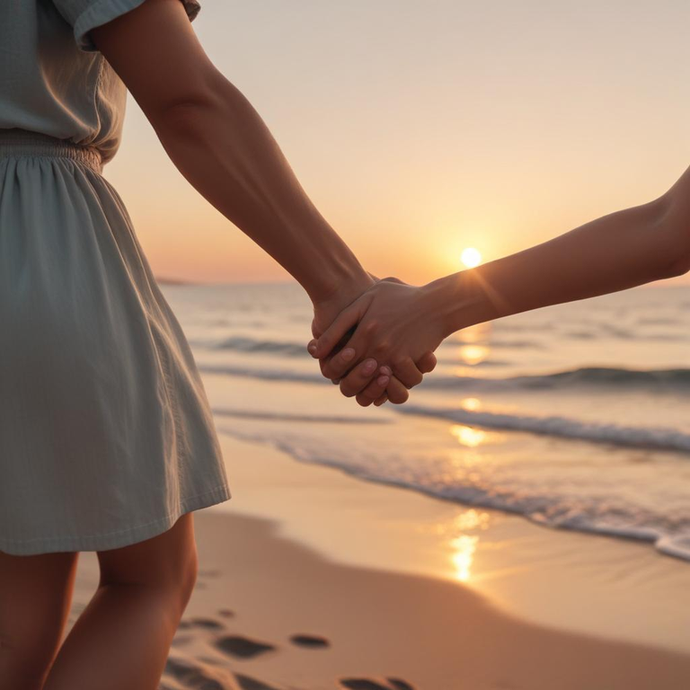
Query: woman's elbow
[{"x": 681, "y": 266}]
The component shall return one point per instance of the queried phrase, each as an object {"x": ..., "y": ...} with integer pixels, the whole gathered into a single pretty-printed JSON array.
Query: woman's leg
[
  {"x": 122, "y": 638},
  {"x": 35, "y": 598}
]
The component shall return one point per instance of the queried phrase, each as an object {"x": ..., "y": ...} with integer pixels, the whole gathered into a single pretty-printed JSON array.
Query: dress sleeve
[{"x": 84, "y": 15}]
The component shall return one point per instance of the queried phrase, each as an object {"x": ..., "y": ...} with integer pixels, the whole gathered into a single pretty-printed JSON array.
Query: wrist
[
  {"x": 342, "y": 281},
  {"x": 456, "y": 302}
]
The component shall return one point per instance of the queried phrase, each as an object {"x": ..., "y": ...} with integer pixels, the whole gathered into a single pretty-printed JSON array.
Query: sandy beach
[{"x": 273, "y": 609}]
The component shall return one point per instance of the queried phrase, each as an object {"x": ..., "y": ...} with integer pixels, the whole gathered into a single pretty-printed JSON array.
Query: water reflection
[
  {"x": 473, "y": 354},
  {"x": 463, "y": 540},
  {"x": 468, "y": 436},
  {"x": 464, "y": 547}
]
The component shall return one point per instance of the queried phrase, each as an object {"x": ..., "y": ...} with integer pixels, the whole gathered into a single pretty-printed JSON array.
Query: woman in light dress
[{"x": 107, "y": 442}]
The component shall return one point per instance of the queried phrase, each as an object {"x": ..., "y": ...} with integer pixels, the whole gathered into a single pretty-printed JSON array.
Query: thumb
[{"x": 346, "y": 320}]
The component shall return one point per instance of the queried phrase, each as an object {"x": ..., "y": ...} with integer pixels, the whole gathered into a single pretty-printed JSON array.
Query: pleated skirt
[{"x": 106, "y": 433}]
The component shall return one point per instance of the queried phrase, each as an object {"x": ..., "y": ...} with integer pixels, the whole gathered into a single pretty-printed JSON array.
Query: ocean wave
[
  {"x": 287, "y": 417},
  {"x": 263, "y": 374},
  {"x": 609, "y": 377},
  {"x": 605, "y": 378},
  {"x": 254, "y": 346},
  {"x": 653, "y": 438},
  {"x": 604, "y": 515}
]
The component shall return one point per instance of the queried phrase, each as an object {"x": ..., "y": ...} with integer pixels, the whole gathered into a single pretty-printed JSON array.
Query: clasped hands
[{"x": 381, "y": 344}]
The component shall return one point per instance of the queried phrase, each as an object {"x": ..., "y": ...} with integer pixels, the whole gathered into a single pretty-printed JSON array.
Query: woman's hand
[
  {"x": 395, "y": 325},
  {"x": 365, "y": 379}
]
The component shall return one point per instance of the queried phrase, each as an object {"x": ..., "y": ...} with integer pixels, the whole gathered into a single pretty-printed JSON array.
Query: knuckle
[
  {"x": 362, "y": 375},
  {"x": 381, "y": 348},
  {"x": 371, "y": 327}
]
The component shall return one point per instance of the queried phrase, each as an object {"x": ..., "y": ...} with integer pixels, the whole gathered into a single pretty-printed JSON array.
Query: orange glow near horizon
[{"x": 419, "y": 156}]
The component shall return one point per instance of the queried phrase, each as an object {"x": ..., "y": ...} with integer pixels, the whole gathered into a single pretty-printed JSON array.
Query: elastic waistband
[{"x": 22, "y": 142}]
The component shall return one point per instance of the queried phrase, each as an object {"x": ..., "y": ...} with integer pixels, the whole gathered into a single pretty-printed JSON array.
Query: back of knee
[{"x": 167, "y": 563}]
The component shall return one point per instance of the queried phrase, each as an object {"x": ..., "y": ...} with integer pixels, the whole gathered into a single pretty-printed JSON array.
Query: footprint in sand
[
  {"x": 181, "y": 641},
  {"x": 398, "y": 684},
  {"x": 247, "y": 683},
  {"x": 211, "y": 661},
  {"x": 208, "y": 623},
  {"x": 191, "y": 675},
  {"x": 226, "y": 613},
  {"x": 366, "y": 684},
  {"x": 242, "y": 647},
  {"x": 310, "y": 641}
]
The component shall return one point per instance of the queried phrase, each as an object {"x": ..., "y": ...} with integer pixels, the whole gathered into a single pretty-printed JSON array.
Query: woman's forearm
[
  {"x": 223, "y": 148},
  {"x": 615, "y": 252}
]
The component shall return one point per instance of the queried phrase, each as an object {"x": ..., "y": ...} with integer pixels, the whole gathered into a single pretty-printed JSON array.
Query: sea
[{"x": 575, "y": 416}]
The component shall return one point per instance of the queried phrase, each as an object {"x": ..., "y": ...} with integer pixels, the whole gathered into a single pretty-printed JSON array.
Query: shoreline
[
  {"x": 578, "y": 582},
  {"x": 257, "y": 589},
  {"x": 419, "y": 600}
]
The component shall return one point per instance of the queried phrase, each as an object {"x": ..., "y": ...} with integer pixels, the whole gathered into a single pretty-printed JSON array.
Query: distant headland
[{"x": 173, "y": 281}]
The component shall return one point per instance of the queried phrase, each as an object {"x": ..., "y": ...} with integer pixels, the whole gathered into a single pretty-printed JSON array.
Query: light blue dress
[{"x": 106, "y": 433}]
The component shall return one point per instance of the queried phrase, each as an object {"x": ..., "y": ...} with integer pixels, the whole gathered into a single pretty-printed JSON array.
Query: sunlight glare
[
  {"x": 464, "y": 548},
  {"x": 468, "y": 436},
  {"x": 471, "y": 257}
]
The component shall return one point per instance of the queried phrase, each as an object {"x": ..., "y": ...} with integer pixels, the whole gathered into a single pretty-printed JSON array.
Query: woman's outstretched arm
[
  {"x": 221, "y": 145},
  {"x": 618, "y": 251}
]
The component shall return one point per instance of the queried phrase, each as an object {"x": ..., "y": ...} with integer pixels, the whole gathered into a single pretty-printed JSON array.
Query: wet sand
[{"x": 270, "y": 611}]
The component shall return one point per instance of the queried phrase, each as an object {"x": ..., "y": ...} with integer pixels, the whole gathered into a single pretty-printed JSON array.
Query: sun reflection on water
[
  {"x": 463, "y": 540},
  {"x": 464, "y": 547},
  {"x": 467, "y": 436},
  {"x": 473, "y": 354}
]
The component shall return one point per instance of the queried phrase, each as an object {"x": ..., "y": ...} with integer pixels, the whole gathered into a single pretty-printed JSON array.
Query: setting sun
[{"x": 471, "y": 257}]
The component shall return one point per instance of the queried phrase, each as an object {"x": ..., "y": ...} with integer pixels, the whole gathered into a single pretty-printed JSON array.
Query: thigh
[
  {"x": 35, "y": 598},
  {"x": 35, "y": 588},
  {"x": 168, "y": 559}
]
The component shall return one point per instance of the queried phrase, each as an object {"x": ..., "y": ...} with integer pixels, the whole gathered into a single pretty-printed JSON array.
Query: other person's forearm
[
  {"x": 224, "y": 149},
  {"x": 618, "y": 251}
]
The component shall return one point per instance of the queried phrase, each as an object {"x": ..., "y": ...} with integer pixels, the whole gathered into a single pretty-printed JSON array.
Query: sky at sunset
[{"x": 420, "y": 128}]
